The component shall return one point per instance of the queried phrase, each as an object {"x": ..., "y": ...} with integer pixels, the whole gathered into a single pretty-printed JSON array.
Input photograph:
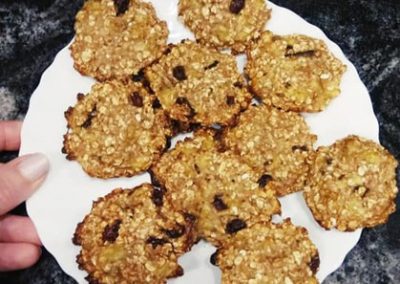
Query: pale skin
[{"x": 20, "y": 245}]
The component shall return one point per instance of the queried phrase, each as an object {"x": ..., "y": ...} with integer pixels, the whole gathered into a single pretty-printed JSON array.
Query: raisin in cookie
[
  {"x": 224, "y": 193},
  {"x": 133, "y": 236},
  {"x": 198, "y": 85},
  {"x": 115, "y": 131},
  {"x": 268, "y": 253},
  {"x": 115, "y": 39},
  {"x": 275, "y": 143},
  {"x": 293, "y": 72},
  {"x": 226, "y": 23},
  {"x": 352, "y": 184}
]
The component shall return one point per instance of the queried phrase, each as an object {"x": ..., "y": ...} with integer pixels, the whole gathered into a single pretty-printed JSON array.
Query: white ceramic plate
[{"x": 67, "y": 195}]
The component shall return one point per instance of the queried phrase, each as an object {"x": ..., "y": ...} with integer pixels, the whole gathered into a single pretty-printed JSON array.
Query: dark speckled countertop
[{"x": 368, "y": 31}]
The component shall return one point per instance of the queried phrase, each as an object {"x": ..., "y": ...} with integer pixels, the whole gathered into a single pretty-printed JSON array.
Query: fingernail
[{"x": 34, "y": 166}]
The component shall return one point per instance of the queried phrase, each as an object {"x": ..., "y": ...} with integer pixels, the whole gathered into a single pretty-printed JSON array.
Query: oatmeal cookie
[
  {"x": 224, "y": 193},
  {"x": 293, "y": 72},
  {"x": 115, "y": 39},
  {"x": 268, "y": 253},
  {"x": 225, "y": 23},
  {"x": 275, "y": 143},
  {"x": 198, "y": 85},
  {"x": 114, "y": 130},
  {"x": 352, "y": 184},
  {"x": 133, "y": 236}
]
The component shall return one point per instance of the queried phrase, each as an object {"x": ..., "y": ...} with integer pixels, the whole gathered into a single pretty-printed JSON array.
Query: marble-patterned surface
[{"x": 33, "y": 31}]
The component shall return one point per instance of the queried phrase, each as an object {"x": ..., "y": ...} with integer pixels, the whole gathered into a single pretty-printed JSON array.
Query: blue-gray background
[{"x": 368, "y": 31}]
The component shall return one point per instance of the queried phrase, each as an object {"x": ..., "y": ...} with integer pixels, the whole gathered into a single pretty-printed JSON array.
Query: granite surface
[{"x": 368, "y": 31}]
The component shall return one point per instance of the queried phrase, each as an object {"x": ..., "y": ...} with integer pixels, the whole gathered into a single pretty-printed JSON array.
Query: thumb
[{"x": 20, "y": 178}]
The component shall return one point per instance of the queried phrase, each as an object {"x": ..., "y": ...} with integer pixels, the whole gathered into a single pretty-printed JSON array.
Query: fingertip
[
  {"x": 18, "y": 229},
  {"x": 30, "y": 256},
  {"x": 17, "y": 256},
  {"x": 20, "y": 178},
  {"x": 33, "y": 167}
]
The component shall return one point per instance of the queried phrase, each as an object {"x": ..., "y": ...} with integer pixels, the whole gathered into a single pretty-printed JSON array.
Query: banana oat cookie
[
  {"x": 275, "y": 143},
  {"x": 352, "y": 184},
  {"x": 132, "y": 236},
  {"x": 225, "y": 23},
  {"x": 220, "y": 190},
  {"x": 115, "y": 39},
  {"x": 293, "y": 72},
  {"x": 198, "y": 85},
  {"x": 268, "y": 253},
  {"x": 114, "y": 130}
]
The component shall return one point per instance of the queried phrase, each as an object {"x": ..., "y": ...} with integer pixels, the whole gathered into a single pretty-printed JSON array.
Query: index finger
[{"x": 10, "y": 138}]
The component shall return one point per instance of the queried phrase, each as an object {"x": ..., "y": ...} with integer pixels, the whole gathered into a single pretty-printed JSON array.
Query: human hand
[{"x": 19, "y": 242}]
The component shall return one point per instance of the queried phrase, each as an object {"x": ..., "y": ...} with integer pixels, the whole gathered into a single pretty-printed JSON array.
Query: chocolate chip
[
  {"x": 156, "y": 103},
  {"x": 88, "y": 121},
  {"x": 236, "y": 6},
  {"x": 238, "y": 85},
  {"x": 287, "y": 85},
  {"x": 264, "y": 180},
  {"x": 230, "y": 100},
  {"x": 212, "y": 65},
  {"x": 303, "y": 148},
  {"x": 329, "y": 161},
  {"x": 175, "y": 233},
  {"x": 110, "y": 233},
  {"x": 121, "y": 6},
  {"x": 139, "y": 77},
  {"x": 314, "y": 263},
  {"x": 157, "y": 196},
  {"x": 179, "y": 73},
  {"x": 219, "y": 138},
  {"x": 156, "y": 241},
  {"x": 235, "y": 225},
  {"x": 214, "y": 258},
  {"x": 219, "y": 203},
  {"x": 196, "y": 168},
  {"x": 136, "y": 99}
]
